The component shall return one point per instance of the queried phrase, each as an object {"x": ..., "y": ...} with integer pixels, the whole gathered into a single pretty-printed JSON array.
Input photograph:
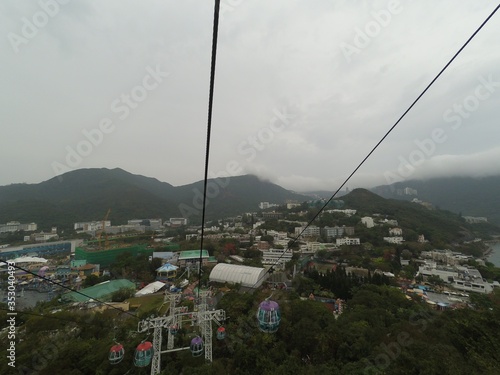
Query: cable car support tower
[{"x": 201, "y": 317}]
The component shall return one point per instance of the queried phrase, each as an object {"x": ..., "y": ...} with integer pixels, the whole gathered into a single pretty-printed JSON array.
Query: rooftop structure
[
  {"x": 234, "y": 274},
  {"x": 276, "y": 257},
  {"x": 42, "y": 249},
  {"x": 101, "y": 292},
  {"x": 105, "y": 257}
]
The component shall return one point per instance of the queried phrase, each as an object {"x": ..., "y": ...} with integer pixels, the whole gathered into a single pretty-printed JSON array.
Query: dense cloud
[{"x": 303, "y": 90}]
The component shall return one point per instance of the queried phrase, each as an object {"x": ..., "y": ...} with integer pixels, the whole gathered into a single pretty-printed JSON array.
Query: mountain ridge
[
  {"x": 468, "y": 196},
  {"x": 87, "y": 194}
]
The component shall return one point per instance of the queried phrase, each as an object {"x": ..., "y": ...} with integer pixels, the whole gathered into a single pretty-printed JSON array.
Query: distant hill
[
  {"x": 87, "y": 194},
  {"x": 465, "y": 195},
  {"x": 440, "y": 226}
]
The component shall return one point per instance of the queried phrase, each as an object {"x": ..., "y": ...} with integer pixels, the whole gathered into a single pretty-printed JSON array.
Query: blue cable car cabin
[
  {"x": 196, "y": 346},
  {"x": 221, "y": 333},
  {"x": 174, "y": 329},
  {"x": 269, "y": 316},
  {"x": 143, "y": 354},
  {"x": 116, "y": 354}
]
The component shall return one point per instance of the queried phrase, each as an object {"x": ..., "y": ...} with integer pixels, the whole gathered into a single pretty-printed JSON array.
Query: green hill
[
  {"x": 87, "y": 194},
  {"x": 440, "y": 226},
  {"x": 466, "y": 195}
]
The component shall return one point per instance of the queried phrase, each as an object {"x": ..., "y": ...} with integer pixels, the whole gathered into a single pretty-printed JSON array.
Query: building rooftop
[
  {"x": 102, "y": 291},
  {"x": 193, "y": 254}
]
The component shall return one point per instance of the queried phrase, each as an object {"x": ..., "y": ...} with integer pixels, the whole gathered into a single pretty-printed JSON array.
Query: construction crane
[{"x": 103, "y": 231}]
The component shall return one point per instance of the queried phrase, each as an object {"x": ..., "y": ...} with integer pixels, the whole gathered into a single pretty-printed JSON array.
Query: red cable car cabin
[
  {"x": 143, "y": 354},
  {"x": 116, "y": 354}
]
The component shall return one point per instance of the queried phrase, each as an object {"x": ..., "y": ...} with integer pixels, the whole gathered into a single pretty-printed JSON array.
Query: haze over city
[{"x": 303, "y": 90}]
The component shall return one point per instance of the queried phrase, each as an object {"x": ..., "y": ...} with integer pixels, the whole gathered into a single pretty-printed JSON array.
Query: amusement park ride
[{"x": 268, "y": 316}]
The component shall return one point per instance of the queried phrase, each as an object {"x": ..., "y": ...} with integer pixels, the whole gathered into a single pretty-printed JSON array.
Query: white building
[
  {"x": 265, "y": 205},
  {"x": 397, "y": 239},
  {"x": 277, "y": 236},
  {"x": 314, "y": 246},
  {"x": 462, "y": 278},
  {"x": 14, "y": 226},
  {"x": 475, "y": 220},
  {"x": 42, "y": 237},
  {"x": 152, "y": 223},
  {"x": 178, "y": 221},
  {"x": 91, "y": 226},
  {"x": 276, "y": 257},
  {"x": 395, "y": 232},
  {"x": 368, "y": 221},
  {"x": 347, "y": 211},
  {"x": 347, "y": 241},
  {"x": 310, "y": 231}
]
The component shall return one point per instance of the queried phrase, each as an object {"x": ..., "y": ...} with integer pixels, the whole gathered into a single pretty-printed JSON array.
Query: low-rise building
[
  {"x": 347, "y": 241},
  {"x": 396, "y": 240},
  {"x": 177, "y": 221},
  {"x": 395, "y": 232},
  {"x": 368, "y": 221},
  {"x": 192, "y": 257}
]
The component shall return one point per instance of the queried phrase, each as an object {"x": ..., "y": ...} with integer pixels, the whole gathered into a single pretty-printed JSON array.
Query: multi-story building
[
  {"x": 276, "y": 257},
  {"x": 332, "y": 232},
  {"x": 347, "y": 241},
  {"x": 14, "y": 226},
  {"x": 310, "y": 231},
  {"x": 153, "y": 224},
  {"x": 272, "y": 215},
  {"x": 336, "y": 231},
  {"x": 462, "y": 278},
  {"x": 91, "y": 226},
  {"x": 178, "y": 221}
]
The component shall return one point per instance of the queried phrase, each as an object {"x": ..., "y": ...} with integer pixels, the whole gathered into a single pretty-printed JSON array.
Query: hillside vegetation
[{"x": 87, "y": 194}]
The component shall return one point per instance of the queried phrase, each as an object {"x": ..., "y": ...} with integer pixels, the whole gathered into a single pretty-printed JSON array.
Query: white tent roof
[
  {"x": 167, "y": 267},
  {"x": 232, "y": 273},
  {"x": 29, "y": 260},
  {"x": 150, "y": 288}
]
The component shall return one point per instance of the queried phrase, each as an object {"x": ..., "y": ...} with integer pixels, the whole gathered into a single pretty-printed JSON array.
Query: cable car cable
[
  {"x": 383, "y": 138},
  {"x": 51, "y": 317},
  {"x": 209, "y": 131},
  {"x": 71, "y": 289}
]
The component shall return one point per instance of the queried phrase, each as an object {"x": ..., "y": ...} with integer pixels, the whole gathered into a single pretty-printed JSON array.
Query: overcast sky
[{"x": 303, "y": 89}]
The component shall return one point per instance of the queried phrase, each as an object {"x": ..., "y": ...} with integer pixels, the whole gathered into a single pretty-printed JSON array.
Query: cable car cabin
[
  {"x": 143, "y": 354},
  {"x": 196, "y": 346},
  {"x": 116, "y": 354},
  {"x": 221, "y": 333},
  {"x": 174, "y": 329},
  {"x": 269, "y": 316}
]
